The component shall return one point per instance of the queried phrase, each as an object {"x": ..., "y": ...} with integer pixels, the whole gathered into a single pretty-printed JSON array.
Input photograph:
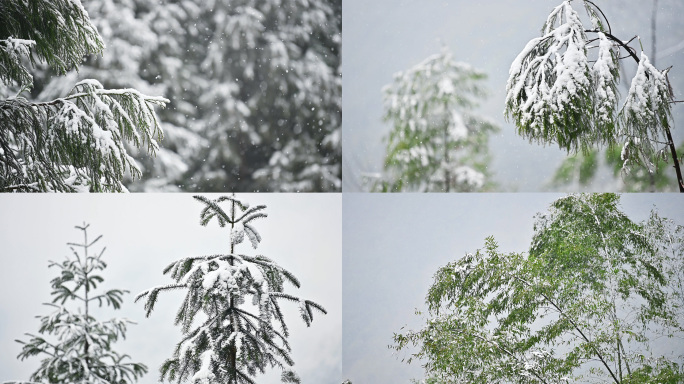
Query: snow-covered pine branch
[
  {"x": 239, "y": 295},
  {"x": 76, "y": 142},
  {"x": 82, "y": 351},
  {"x": 555, "y": 95}
]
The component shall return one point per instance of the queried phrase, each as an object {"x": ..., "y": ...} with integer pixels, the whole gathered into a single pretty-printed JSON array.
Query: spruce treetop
[
  {"x": 82, "y": 352},
  {"x": 239, "y": 296}
]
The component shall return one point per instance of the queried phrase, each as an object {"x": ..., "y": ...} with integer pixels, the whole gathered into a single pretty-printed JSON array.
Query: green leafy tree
[
  {"x": 74, "y": 142},
  {"x": 436, "y": 143},
  {"x": 584, "y": 305},
  {"x": 82, "y": 353},
  {"x": 581, "y": 169},
  {"x": 555, "y": 94},
  {"x": 244, "y": 330}
]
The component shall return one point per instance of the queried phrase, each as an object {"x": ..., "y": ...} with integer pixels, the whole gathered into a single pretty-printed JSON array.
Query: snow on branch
[
  {"x": 644, "y": 115},
  {"x": 83, "y": 148},
  {"x": 550, "y": 83},
  {"x": 12, "y": 52},
  {"x": 244, "y": 331},
  {"x": 554, "y": 95}
]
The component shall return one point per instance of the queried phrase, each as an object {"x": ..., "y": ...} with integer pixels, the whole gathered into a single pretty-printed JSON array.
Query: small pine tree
[
  {"x": 436, "y": 143},
  {"x": 82, "y": 353},
  {"x": 555, "y": 94},
  {"x": 75, "y": 142},
  {"x": 240, "y": 296}
]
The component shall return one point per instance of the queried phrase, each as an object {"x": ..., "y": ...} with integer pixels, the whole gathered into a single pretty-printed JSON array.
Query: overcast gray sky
[
  {"x": 394, "y": 243},
  {"x": 382, "y": 37},
  {"x": 143, "y": 233}
]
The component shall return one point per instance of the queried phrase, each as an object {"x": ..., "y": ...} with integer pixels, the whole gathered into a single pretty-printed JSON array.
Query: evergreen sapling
[
  {"x": 82, "y": 353},
  {"x": 242, "y": 331}
]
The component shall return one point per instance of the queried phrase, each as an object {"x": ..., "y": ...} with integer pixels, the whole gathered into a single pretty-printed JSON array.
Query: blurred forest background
[{"x": 255, "y": 89}]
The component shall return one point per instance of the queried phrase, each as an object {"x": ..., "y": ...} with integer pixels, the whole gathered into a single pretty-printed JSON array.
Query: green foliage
[
  {"x": 83, "y": 350},
  {"x": 240, "y": 336},
  {"x": 436, "y": 143},
  {"x": 75, "y": 142},
  {"x": 60, "y": 31},
  {"x": 581, "y": 168},
  {"x": 585, "y": 303}
]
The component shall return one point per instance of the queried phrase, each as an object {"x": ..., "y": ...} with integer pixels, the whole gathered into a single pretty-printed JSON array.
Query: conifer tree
[
  {"x": 556, "y": 95},
  {"x": 131, "y": 39},
  {"x": 82, "y": 353},
  {"x": 76, "y": 141},
  {"x": 436, "y": 143},
  {"x": 243, "y": 331}
]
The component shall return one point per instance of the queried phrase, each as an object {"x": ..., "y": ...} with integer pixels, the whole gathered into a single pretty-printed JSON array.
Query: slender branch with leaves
[{"x": 555, "y": 94}]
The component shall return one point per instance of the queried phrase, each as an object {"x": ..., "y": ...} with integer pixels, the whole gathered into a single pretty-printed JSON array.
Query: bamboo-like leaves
[
  {"x": 590, "y": 295},
  {"x": 645, "y": 116},
  {"x": 555, "y": 96},
  {"x": 550, "y": 85}
]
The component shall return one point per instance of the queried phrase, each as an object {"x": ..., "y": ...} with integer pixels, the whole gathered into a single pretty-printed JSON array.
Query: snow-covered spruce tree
[
  {"x": 261, "y": 81},
  {"x": 555, "y": 94},
  {"x": 82, "y": 352},
  {"x": 74, "y": 142},
  {"x": 131, "y": 39},
  {"x": 244, "y": 331},
  {"x": 436, "y": 143}
]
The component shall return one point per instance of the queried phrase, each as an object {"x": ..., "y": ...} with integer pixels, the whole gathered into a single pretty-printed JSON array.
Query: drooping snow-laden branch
[
  {"x": 76, "y": 142},
  {"x": 555, "y": 96}
]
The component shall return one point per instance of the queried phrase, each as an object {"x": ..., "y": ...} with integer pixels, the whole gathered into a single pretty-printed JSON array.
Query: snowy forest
[
  {"x": 586, "y": 96},
  {"x": 142, "y": 95}
]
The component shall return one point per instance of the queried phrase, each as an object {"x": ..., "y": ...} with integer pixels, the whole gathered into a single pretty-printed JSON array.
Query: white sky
[
  {"x": 382, "y": 37},
  {"x": 143, "y": 233},
  {"x": 394, "y": 243}
]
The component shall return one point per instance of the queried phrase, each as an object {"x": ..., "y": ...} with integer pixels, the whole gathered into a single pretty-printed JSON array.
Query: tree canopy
[{"x": 585, "y": 304}]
